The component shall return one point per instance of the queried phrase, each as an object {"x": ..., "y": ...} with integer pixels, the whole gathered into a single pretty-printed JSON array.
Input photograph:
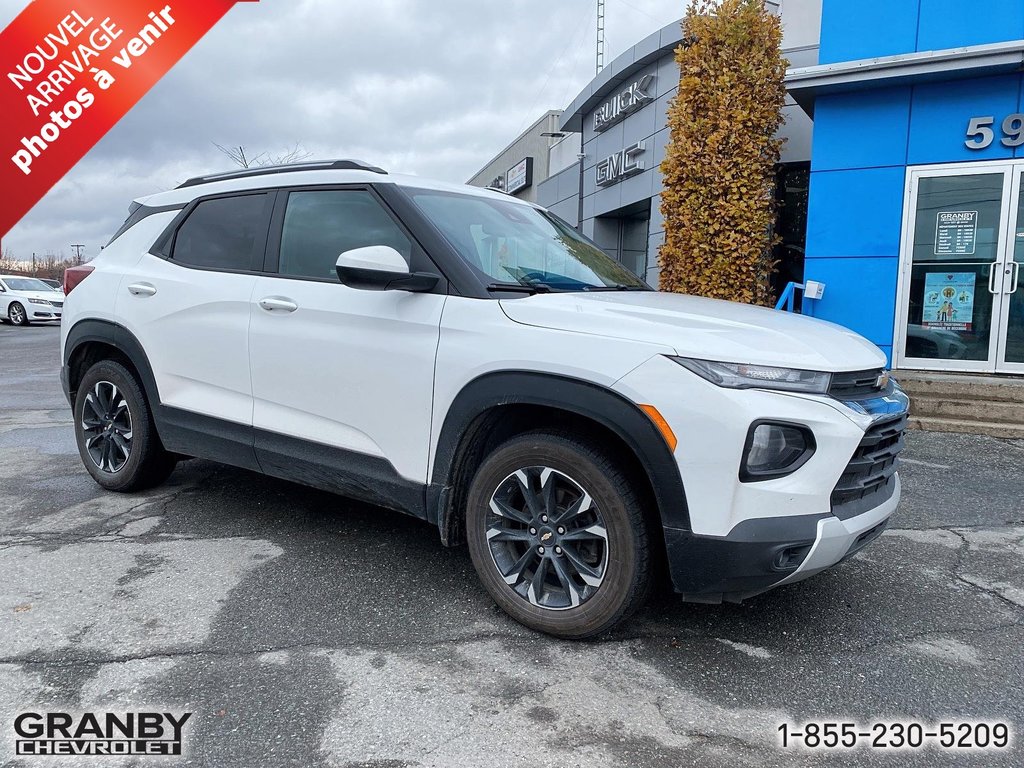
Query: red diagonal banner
[{"x": 70, "y": 70}]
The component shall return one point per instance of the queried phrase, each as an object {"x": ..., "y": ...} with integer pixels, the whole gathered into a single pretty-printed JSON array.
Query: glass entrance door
[
  {"x": 1011, "y": 342},
  {"x": 957, "y": 309}
]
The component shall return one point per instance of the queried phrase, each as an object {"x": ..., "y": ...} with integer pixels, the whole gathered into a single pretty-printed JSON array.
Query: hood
[
  {"x": 702, "y": 328},
  {"x": 45, "y": 295}
]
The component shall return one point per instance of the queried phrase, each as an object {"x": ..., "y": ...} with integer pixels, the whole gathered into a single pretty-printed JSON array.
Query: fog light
[{"x": 774, "y": 450}]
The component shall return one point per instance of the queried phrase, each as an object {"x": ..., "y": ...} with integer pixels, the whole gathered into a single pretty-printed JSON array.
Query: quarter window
[
  {"x": 223, "y": 233},
  {"x": 321, "y": 225}
]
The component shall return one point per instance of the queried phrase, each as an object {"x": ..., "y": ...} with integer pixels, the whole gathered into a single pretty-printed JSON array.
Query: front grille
[
  {"x": 868, "y": 479},
  {"x": 57, "y": 303},
  {"x": 855, "y": 383}
]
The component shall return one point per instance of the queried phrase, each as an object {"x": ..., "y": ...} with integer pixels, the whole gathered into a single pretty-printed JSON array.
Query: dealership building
[{"x": 900, "y": 182}]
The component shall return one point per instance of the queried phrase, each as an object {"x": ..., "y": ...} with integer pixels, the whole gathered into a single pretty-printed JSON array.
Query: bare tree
[{"x": 243, "y": 159}]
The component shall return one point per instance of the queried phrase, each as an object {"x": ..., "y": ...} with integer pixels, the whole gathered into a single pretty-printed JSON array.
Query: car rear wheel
[
  {"x": 556, "y": 532},
  {"x": 115, "y": 433},
  {"x": 16, "y": 314}
]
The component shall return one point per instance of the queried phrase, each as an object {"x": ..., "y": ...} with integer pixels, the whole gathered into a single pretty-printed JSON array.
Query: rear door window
[{"x": 225, "y": 233}]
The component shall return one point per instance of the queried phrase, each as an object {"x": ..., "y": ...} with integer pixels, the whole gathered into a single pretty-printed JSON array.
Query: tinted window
[
  {"x": 222, "y": 233},
  {"x": 320, "y": 226}
]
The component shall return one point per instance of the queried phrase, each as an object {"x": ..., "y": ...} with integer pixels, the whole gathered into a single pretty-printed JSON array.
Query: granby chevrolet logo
[
  {"x": 130, "y": 733},
  {"x": 623, "y": 103}
]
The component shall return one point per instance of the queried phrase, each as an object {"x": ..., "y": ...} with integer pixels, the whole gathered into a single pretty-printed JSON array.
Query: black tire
[
  {"x": 610, "y": 575},
  {"x": 109, "y": 405},
  {"x": 16, "y": 313}
]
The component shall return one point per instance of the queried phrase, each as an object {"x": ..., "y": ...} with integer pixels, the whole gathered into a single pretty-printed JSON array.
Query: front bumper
[
  {"x": 764, "y": 553},
  {"x": 45, "y": 314}
]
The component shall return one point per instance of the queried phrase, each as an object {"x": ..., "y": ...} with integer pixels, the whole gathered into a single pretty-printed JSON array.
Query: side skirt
[{"x": 355, "y": 475}]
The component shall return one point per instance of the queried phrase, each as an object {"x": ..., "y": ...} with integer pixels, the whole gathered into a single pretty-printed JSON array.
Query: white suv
[
  {"x": 25, "y": 299},
  {"x": 471, "y": 360}
]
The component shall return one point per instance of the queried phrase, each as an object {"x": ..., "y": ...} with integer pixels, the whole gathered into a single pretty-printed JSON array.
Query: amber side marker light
[{"x": 659, "y": 421}]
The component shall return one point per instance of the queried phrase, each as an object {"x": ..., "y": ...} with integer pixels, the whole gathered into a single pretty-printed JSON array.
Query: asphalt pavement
[{"x": 302, "y": 629}]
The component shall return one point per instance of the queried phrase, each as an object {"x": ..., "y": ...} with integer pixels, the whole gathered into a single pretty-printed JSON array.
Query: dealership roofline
[
  {"x": 648, "y": 50},
  {"x": 805, "y": 84}
]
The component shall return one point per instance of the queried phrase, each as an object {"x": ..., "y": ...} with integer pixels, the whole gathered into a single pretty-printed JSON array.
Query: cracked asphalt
[{"x": 302, "y": 629}]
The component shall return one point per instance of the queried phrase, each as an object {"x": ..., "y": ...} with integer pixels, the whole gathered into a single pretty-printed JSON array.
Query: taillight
[{"x": 74, "y": 275}]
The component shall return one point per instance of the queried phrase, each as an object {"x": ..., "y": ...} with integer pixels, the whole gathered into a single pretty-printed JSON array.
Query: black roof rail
[{"x": 267, "y": 170}]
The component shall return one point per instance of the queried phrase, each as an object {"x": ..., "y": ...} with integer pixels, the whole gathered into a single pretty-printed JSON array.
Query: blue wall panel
[
  {"x": 859, "y": 294},
  {"x": 861, "y": 130},
  {"x": 955, "y": 23},
  {"x": 941, "y": 112},
  {"x": 855, "y": 213},
  {"x": 1019, "y": 152},
  {"x": 863, "y": 29}
]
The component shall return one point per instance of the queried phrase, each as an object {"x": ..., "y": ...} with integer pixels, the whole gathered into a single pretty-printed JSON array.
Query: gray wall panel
[
  {"x": 567, "y": 210},
  {"x": 636, "y": 188}
]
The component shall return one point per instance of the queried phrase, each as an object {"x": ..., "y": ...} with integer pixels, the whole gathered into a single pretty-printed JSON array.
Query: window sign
[
  {"x": 949, "y": 301},
  {"x": 956, "y": 233}
]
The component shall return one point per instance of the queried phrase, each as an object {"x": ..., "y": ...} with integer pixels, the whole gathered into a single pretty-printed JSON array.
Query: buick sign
[{"x": 624, "y": 103}]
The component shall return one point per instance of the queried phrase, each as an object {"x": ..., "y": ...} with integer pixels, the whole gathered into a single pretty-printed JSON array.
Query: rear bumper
[{"x": 764, "y": 553}]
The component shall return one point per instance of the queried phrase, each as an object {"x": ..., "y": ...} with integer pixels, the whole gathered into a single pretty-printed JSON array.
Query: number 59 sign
[{"x": 981, "y": 135}]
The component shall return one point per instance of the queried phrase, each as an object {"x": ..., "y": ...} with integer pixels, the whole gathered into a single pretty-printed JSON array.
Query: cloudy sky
[{"x": 432, "y": 88}]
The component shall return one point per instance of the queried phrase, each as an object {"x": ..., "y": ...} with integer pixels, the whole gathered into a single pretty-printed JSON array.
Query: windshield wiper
[
  {"x": 590, "y": 288},
  {"x": 530, "y": 288}
]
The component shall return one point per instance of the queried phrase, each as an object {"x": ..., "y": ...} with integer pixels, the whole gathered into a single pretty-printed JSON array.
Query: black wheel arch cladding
[{"x": 581, "y": 398}]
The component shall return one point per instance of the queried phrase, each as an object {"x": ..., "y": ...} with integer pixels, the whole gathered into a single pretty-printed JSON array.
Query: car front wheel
[
  {"x": 16, "y": 314},
  {"x": 557, "y": 535},
  {"x": 115, "y": 433}
]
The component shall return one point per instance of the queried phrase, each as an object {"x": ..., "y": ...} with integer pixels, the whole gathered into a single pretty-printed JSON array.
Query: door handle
[
  {"x": 995, "y": 268},
  {"x": 1015, "y": 266},
  {"x": 141, "y": 289},
  {"x": 278, "y": 304}
]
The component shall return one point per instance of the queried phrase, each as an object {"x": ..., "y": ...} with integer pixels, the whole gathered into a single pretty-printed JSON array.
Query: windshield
[
  {"x": 26, "y": 284},
  {"x": 514, "y": 243}
]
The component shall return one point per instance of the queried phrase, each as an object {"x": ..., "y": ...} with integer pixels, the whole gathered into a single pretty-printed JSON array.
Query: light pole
[{"x": 78, "y": 252}]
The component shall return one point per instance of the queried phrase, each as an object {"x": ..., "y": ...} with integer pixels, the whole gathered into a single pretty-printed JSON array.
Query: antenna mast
[{"x": 600, "y": 35}]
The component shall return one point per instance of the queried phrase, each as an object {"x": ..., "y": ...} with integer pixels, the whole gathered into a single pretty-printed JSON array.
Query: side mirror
[{"x": 381, "y": 268}]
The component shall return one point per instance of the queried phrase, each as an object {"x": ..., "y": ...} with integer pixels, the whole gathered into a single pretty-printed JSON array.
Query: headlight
[
  {"x": 775, "y": 450},
  {"x": 40, "y": 301},
  {"x": 743, "y": 376}
]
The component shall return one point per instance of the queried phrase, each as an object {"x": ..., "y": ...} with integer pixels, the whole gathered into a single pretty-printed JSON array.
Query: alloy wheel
[
  {"x": 547, "y": 538},
  {"x": 17, "y": 314},
  {"x": 107, "y": 427}
]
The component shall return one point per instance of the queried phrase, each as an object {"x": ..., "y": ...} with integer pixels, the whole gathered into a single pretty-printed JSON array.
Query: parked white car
[
  {"x": 471, "y": 360},
  {"x": 25, "y": 300}
]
